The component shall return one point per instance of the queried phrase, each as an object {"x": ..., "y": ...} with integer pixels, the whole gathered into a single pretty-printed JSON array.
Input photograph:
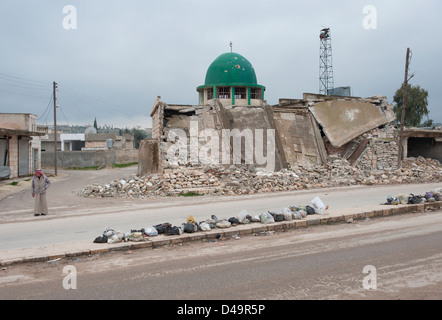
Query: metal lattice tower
[{"x": 326, "y": 83}]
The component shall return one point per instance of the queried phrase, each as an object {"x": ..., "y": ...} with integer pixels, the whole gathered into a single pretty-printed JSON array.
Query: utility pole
[
  {"x": 404, "y": 104},
  {"x": 55, "y": 126}
]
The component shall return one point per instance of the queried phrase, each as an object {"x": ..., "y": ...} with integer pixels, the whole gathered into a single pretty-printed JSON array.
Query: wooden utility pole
[
  {"x": 55, "y": 126},
  {"x": 404, "y": 104}
]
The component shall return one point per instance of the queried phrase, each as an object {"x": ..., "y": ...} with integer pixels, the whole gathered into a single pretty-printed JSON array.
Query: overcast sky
[{"x": 123, "y": 54}]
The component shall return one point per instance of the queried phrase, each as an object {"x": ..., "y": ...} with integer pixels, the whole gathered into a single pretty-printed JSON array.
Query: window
[
  {"x": 240, "y": 93},
  {"x": 224, "y": 92},
  {"x": 209, "y": 93},
  {"x": 255, "y": 93}
]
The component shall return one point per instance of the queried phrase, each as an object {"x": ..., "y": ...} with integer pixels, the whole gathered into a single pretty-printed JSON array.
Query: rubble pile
[{"x": 248, "y": 180}]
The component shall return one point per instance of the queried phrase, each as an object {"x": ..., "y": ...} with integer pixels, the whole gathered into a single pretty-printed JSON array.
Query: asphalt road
[
  {"x": 78, "y": 219},
  {"x": 403, "y": 253}
]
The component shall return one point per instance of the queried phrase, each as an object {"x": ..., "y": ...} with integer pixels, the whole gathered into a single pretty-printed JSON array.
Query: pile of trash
[
  {"x": 110, "y": 236},
  {"x": 410, "y": 198},
  {"x": 238, "y": 180}
]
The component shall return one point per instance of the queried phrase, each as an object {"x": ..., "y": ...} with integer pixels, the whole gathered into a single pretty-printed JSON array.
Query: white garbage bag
[
  {"x": 318, "y": 205},
  {"x": 267, "y": 218}
]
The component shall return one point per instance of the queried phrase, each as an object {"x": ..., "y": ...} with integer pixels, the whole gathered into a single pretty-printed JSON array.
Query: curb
[{"x": 247, "y": 229}]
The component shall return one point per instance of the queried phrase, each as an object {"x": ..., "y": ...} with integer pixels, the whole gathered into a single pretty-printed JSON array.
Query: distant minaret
[{"x": 231, "y": 46}]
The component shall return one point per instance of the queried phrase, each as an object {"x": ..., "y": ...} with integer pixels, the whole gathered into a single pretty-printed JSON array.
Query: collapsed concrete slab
[{"x": 345, "y": 120}]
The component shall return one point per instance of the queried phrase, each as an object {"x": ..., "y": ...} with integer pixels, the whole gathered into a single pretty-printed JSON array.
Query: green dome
[{"x": 231, "y": 69}]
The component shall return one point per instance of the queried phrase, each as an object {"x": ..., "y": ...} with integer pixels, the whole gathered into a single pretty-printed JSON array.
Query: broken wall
[
  {"x": 300, "y": 137},
  {"x": 306, "y": 132}
]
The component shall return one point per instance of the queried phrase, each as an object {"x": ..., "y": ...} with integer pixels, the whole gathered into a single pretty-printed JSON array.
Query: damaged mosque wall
[{"x": 234, "y": 125}]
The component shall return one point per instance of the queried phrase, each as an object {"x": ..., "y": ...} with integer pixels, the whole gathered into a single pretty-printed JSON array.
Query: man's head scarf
[{"x": 39, "y": 172}]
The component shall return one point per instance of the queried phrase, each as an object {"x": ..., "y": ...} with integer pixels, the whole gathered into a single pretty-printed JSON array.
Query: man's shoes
[
  {"x": 43, "y": 214},
  {"x": 36, "y": 214}
]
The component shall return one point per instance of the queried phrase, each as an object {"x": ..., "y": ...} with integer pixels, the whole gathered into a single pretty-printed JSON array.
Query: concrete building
[
  {"x": 20, "y": 145},
  {"x": 89, "y": 149}
]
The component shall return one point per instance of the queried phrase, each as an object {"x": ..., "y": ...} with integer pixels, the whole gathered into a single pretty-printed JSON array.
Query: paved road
[
  {"x": 78, "y": 219},
  {"x": 326, "y": 262}
]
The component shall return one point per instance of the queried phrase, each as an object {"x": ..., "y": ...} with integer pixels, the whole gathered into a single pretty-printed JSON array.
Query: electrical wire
[
  {"x": 101, "y": 104},
  {"x": 18, "y": 79},
  {"x": 68, "y": 96},
  {"x": 47, "y": 108}
]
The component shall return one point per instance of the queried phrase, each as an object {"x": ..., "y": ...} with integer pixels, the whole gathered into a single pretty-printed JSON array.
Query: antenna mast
[{"x": 326, "y": 83}]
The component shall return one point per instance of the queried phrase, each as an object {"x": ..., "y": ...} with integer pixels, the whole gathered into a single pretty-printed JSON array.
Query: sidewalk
[{"x": 82, "y": 248}]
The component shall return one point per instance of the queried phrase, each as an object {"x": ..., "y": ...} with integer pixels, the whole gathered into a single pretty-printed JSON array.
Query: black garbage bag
[
  {"x": 412, "y": 199},
  {"x": 163, "y": 227},
  {"x": 101, "y": 239},
  {"x": 190, "y": 227},
  {"x": 310, "y": 210},
  {"x": 172, "y": 231},
  {"x": 233, "y": 220},
  {"x": 277, "y": 216}
]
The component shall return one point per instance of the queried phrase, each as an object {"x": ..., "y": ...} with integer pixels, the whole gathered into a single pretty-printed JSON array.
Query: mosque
[
  {"x": 231, "y": 78},
  {"x": 304, "y": 131}
]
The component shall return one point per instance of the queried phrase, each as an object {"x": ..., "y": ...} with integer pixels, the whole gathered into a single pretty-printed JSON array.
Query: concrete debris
[{"x": 239, "y": 180}]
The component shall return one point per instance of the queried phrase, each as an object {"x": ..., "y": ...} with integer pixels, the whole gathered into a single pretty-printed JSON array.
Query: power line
[
  {"x": 26, "y": 86},
  {"x": 15, "y": 78},
  {"x": 23, "y": 94},
  {"x": 97, "y": 102},
  {"x": 47, "y": 108}
]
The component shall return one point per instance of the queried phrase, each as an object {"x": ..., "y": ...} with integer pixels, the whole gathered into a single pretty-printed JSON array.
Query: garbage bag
[
  {"x": 267, "y": 218},
  {"x": 204, "y": 226},
  {"x": 108, "y": 232},
  {"x": 190, "y": 227},
  {"x": 390, "y": 199},
  {"x": 114, "y": 239},
  {"x": 233, "y": 220},
  {"x": 303, "y": 213},
  {"x": 135, "y": 236},
  {"x": 223, "y": 224},
  {"x": 242, "y": 215},
  {"x": 297, "y": 216},
  {"x": 162, "y": 228},
  {"x": 428, "y": 195},
  {"x": 318, "y": 205},
  {"x": 414, "y": 199},
  {"x": 277, "y": 216},
  {"x": 287, "y": 214},
  {"x": 172, "y": 231},
  {"x": 151, "y": 232},
  {"x": 101, "y": 239},
  {"x": 211, "y": 223},
  {"x": 403, "y": 198},
  {"x": 190, "y": 219},
  {"x": 310, "y": 210}
]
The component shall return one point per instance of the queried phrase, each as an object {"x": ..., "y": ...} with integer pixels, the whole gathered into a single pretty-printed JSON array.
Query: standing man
[{"x": 40, "y": 183}]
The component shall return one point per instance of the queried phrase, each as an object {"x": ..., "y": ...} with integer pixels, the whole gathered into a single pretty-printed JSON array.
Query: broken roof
[{"x": 344, "y": 120}]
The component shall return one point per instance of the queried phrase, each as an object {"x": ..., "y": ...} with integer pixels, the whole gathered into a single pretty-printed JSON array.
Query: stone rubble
[{"x": 238, "y": 180}]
